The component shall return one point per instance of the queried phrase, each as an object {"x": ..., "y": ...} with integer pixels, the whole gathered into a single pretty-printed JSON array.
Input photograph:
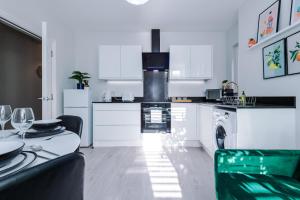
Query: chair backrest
[
  {"x": 59, "y": 179},
  {"x": 72, "y": 123}
]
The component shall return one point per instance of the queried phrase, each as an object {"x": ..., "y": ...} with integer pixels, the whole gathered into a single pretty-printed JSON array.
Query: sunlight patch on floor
[{"x": 163, "y": 175}]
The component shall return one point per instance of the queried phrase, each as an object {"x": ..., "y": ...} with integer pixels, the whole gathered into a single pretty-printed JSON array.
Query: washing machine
[{"x": 225, "y": 129}]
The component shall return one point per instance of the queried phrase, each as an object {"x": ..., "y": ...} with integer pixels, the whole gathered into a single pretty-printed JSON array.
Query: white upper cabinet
[
  {"x": 201, "y": 62},
  {"x": 131, "y": 62},
  {"x": 109, "y": 62},
  {"x": 179, "y": 61},
  {"x": 120, "y": 62},
  {"x": 191, "y": 62}
]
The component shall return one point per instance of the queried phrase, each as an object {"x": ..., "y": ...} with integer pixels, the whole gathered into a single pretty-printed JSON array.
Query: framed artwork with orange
[
  {"x": 295, "y": 12},
  {"x": 293, "y": 48},
  {"x": 268, "y": 21}
]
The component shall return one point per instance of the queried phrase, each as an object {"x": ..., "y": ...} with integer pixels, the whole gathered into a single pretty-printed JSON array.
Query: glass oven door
[{"x": 156, "y": 118}]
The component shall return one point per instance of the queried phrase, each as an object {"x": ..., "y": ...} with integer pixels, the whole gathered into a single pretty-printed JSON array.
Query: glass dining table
[{"x": 46, "y": 148}]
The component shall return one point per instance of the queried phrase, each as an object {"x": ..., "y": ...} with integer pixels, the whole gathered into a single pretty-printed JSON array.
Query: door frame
[
  {"x": 34, "y": 31},
  {"x": 49, "y": 100},
  {"x": 49, "y": 91},
  {"x": 53, "y": 80}
]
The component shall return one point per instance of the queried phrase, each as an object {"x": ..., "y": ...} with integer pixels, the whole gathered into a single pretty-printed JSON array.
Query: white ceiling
[{"x": 168, "y": 15}]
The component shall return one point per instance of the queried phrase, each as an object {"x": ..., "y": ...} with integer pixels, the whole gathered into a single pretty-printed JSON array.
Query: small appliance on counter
[
  {"x": 230, "y": 89},
  {"x": 129, "y": 97},
  {"x": 107, "y": 96},
  {"x": 214, "y": 94}
]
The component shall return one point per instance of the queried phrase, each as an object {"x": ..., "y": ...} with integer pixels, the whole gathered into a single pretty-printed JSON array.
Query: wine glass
[
  {"x": 22, "y": 119},
  {"x": 5, "y": 115}
]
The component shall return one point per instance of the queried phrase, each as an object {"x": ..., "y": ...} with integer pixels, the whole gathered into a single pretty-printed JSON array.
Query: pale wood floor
[{"x": 136, "y": 173}]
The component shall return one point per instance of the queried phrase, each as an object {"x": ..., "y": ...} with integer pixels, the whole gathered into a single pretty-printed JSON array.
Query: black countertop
[
  {"x": 261, "y": 102},
  {"x": 256, "y": 106}
]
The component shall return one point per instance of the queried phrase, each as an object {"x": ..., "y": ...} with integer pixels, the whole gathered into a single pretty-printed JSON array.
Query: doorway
[
  {"x": 235, "y": 63},
  {"x": 20, "y": 69}
]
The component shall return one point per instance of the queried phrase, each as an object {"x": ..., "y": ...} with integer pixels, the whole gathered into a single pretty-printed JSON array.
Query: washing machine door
[{"x": 220, "y": 137}]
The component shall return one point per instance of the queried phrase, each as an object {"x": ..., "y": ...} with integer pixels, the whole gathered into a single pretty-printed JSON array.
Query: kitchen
[
  {"x": 167, "y": 96},
  {"x": 127, "y": 118}
]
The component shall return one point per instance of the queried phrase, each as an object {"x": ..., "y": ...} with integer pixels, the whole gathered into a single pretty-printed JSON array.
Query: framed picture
[
  {"x": 293, "y": 50},
  {"x": 295, "y": 12},
  {"x": 268, "y": 21},
  {"x": 274, "y": 60}
]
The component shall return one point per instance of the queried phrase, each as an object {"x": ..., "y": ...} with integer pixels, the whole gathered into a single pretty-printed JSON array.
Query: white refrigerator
[{"x": 78, "y": 103}]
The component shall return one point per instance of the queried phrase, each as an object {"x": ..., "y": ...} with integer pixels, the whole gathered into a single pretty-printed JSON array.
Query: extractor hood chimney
[
  {"x": 156, "y": 60},
  {"x": 155, "y": 36}
]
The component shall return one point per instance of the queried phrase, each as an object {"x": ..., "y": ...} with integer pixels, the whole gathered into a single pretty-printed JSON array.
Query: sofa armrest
[{"x": 266, "y": 162}]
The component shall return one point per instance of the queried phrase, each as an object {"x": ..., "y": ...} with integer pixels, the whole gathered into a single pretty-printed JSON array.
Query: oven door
[{"x": 156, "y": 118}]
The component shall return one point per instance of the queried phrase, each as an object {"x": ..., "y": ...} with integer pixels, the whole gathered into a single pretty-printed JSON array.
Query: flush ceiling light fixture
[{"x": 137, "y": 2}]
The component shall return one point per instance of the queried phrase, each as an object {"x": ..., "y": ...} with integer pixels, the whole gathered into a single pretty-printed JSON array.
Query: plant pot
[{"x": 80, "y": 86}]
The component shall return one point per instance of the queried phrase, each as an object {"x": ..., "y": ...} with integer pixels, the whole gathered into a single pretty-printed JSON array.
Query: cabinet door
[
  {"x": 183, "y": 121},
  {"x": 109, "y": 62},
  {"x": 116, "y": 133},
  {"x": 206, "y": 127},
  {"x": 179, "y": 62},
  {"x": 201, "y": 62},
  {"x": 198, "y": 123},
  {"x": 131, "y": 62}
]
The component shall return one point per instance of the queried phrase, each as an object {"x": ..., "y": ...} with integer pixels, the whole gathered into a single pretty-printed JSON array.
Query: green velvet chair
[{"x": 257, "y": 174}]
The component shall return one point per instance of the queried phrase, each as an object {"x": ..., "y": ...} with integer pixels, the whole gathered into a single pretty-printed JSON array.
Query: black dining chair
[
  {"x": 59, "y": 179},
  {"x": 72, "y": 123}
]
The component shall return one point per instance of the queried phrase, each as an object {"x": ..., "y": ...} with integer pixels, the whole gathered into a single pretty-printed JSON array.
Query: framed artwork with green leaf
[
  {"x": 274, "y": 60},
  {"x": 293, "y": 50}
]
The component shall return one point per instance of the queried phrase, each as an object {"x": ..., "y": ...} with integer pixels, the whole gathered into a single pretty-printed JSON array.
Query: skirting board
[
  {"x": 207, "y": 151},
  {"x": 138, "y": 143}
]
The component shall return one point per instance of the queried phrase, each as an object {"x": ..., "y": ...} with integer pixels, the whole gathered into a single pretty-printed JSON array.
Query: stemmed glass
[
  {"x": 22, "y": 119},
  {"x": 5, "y": 115}
]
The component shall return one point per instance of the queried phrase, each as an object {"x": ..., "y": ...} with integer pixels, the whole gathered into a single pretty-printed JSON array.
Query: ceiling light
[{"x": 137, "y": 2}]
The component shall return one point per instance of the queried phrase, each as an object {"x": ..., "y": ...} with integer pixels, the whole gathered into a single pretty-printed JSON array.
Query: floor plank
[{"x": 137, "y": 173}]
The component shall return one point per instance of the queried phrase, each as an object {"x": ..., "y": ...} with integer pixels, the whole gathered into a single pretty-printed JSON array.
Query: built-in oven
[{"x": 156, "y": 117}]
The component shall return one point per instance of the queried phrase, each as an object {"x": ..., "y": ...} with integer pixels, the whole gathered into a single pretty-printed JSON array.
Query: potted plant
[{"x": 81, "y": 77}]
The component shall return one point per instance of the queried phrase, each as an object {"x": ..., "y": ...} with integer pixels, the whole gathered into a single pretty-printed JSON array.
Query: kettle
[{"x": 107, "y": 96}]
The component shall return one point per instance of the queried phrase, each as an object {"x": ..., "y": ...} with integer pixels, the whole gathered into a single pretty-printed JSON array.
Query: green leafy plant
[
  {"x": 295, "y": 52},
  {"x": 80, "y": 76},
  {"x": 274, "y": 59}
]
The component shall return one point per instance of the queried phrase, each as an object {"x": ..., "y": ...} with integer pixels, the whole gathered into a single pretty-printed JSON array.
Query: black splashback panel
[{"x": 155, "y": 86}]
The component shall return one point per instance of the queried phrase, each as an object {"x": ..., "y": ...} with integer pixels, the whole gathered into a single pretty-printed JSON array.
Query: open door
[{"x": 48, "y": 74}]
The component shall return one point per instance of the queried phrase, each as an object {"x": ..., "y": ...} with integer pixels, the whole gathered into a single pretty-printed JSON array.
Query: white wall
[
  {"x": 250, "y": 61},
  {"x": 87, "y": 58},
  {"x": 232, "y": 41},
  {"x": 31, "y": 17}
]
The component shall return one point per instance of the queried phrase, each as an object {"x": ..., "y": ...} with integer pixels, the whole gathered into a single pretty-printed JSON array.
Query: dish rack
[{"x": 234, "y": 100}]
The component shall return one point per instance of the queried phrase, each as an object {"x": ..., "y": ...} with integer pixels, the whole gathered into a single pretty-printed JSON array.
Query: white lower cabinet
[
  {"x": 116, "y": 133},
  {"x": 205, "y": 127},
  {"x": 119, "y": 124},
  {"x": 116, "y": 123},
  {"x": 184, "y": 120}
]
